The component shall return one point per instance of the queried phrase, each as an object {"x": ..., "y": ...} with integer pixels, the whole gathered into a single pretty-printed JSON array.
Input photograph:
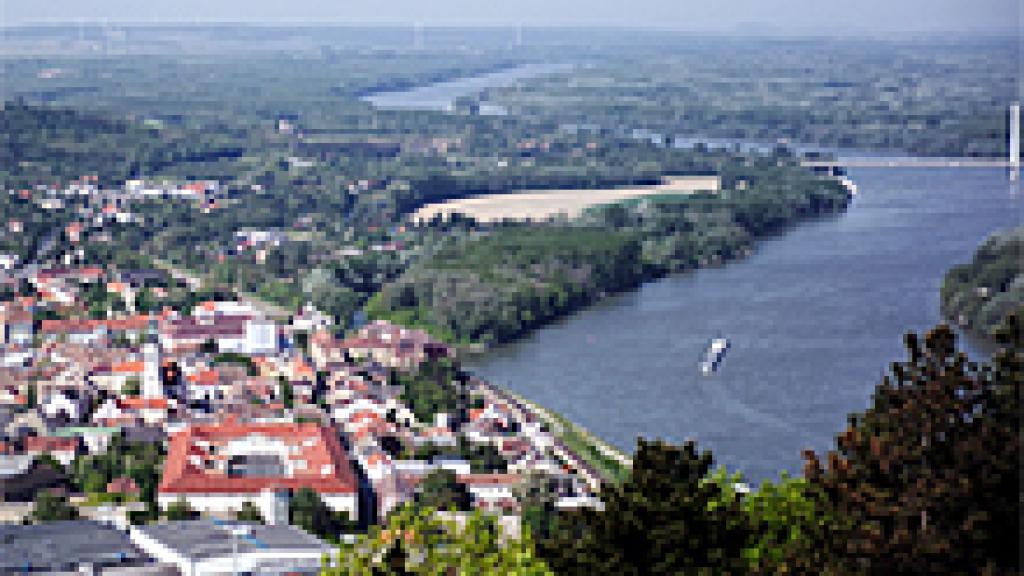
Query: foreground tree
[
  {"x": 419, "y": 540},
  {"x": 786, "y": 523},
  {"x": 669, "y": 517},
  {"x": 927, "y": 480}
]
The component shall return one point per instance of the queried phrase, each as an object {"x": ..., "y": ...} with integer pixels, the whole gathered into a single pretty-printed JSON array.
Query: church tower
[{"x": 152, "y": 380}]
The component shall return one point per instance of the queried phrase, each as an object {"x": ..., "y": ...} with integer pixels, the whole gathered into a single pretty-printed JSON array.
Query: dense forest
[{"x": 980, "y": 294}]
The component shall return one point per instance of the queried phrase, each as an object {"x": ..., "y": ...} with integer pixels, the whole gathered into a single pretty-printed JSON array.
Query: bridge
[
  {"x": 911, "y": 162},
  {"x": 1011, "y": 162}
]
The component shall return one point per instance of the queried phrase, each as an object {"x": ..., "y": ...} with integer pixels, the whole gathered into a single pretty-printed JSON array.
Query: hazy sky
[{"x": 850, "y": 16}]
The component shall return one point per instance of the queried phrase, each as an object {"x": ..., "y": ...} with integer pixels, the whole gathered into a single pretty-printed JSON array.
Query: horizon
[
  {"x": 796, "y": 17},
  {"x": 746, "y": 29}
]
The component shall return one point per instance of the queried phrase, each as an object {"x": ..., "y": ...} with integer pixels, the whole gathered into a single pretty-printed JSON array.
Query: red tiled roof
[
  {"x": 128, "y": 367},
  {"x": 204, "y": 378},
  {"x": 122, "y": 485},
  {"x": 50, "y": 444},
  {"x": 318, "y": 446},
  {"x": 140, "y": 403},
  {"x": 491, "y": 479},
  {"x": 80, "y": 325}
]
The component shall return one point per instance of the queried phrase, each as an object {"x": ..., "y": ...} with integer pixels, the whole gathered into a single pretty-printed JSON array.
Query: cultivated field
[{"x": 544, "y": 204}]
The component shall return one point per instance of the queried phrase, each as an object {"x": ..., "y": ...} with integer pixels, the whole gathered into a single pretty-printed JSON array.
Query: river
[
  {"x": 814, "y": 316},
  {"x": 442, "y": 95}
]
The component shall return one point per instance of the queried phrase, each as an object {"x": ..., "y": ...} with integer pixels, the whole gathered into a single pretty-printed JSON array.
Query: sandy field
[{"x": 543, "y": 204}]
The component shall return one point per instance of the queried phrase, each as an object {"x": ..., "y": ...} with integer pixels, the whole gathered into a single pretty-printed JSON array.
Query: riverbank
[
  {"x": 978, "y": 295},
  {"x": 595, "y": 460}
]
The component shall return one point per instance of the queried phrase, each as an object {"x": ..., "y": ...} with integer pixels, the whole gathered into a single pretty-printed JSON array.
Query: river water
[
  {"x": 814, "y": 317},
  {"x": 442, "y": 95}
]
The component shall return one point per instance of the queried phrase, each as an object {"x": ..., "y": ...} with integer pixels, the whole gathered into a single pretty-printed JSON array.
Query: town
[{"x": 217, "y": 412}]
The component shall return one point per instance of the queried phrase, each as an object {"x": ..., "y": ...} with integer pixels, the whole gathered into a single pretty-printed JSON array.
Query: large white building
[{"x": 218, "y": 468}]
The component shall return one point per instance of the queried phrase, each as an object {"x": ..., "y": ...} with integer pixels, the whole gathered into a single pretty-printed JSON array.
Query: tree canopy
[
  {"x": 666, "y": 518},
  {"x": 927, "y": 479},
  {"x": 420, "y": 541}
]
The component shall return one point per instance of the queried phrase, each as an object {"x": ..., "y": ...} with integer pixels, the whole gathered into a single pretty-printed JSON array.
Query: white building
[
  {"x": 202, "y": 547},
  {"x": 218, "y": 468}
]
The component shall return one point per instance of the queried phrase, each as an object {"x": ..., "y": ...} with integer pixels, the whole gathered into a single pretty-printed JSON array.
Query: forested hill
[{"x": 981, "y": 293}]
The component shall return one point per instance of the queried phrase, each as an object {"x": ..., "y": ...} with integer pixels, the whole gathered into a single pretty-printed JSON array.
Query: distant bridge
[
  {"x": 1010, "y": 162},
  {"x": 882, "y": 162}
]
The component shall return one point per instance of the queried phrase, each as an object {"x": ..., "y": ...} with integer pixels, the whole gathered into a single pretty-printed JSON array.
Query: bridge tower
[{"x": 1014, "y": 140}]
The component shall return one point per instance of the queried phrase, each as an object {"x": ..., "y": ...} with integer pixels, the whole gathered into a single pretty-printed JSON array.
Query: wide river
[{"x": 814, "y": 317}]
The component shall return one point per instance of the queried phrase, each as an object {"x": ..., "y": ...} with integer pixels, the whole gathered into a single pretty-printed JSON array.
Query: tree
[
  {"x": 420, "y": 541},
  {"x": 132, "y": 387},
  {"x": 666, "y": 518},
  {"x": 31, "y": 398},
  {"x": 307, "y": 511},
  {"x": 441, "y": 490},
  {"x": 180, "y": 510},
  {"x": 249, "y": 513},
  {"x": 287, "y": 394},
  {"x": 537, "y": 494},
  {"x": 927, "y": 479},
  {"x": 785, "y": 522},
  {"x": 51, "y": 507}
]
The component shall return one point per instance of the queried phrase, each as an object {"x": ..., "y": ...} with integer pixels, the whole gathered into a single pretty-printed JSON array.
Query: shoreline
[{"x": 597, "y": 461}]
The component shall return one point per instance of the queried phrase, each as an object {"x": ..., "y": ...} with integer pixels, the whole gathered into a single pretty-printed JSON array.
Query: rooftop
[
  {"x": 58, "y": 546},
  {"x": 247, "y": 458},
  {"x": 201, "y": 539}
]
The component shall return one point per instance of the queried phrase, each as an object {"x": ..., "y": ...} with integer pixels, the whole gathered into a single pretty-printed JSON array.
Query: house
[
  {"x": 63, "y": 449},
  {"x": 68, "y": 404},
  {"x": 22, "y": 475},
  {"x": 75, "y": 331},
  {"x": 216, "y": 468},
  {"x": 71, "y": 547},
  {"x": 123, "y": 485},
  {"x": 310, "y": 319},
  {"x": 132, "y": 410},
  {"x": 394, "y": 346},
  {"x": 201, "y": 547},
  {"x": 241, "y": 334},
  {"x": 115, "y": 377},
  {"x": 8, "y": 261},
  {"x": 16, "y": 325},
  {"x": 27, "y": 423},
  {"x": 95, "y": 438},
  {"x": 492, "y": 492},
  {"x": 206, "y": 385}
]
